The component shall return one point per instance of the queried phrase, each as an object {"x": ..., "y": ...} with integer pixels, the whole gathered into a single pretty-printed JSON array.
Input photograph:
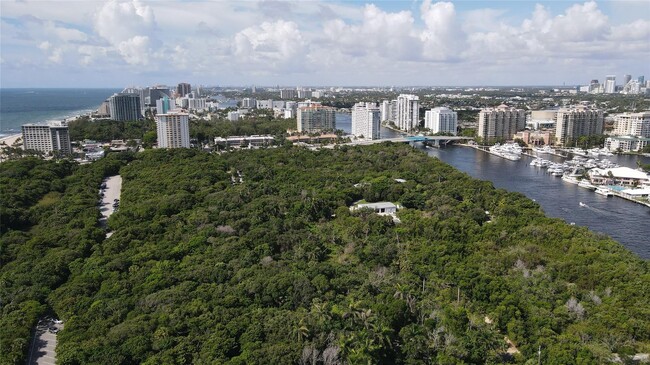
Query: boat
[
  {"x": 582, "y": 204},
  {"x": 603, "y": 191},
  {"x": 570, "y": 179},
  {"x": 509, "y": 151},
  {"x": 586, "y": 184},
  {"x": 543, "y": 150}
]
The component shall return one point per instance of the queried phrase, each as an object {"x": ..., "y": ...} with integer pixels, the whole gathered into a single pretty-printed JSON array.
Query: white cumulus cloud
[
  {"x": 129, "y": 27},
  {"x": 271, "y": 45}
]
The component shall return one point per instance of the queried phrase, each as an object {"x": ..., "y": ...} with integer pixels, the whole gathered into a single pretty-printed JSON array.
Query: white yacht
[
  {"x": 586, "y": 184},
  {"x": 603, "y": 191},
  {"x": 570, "y": 179},
  {"x": 543, "y": 150}
]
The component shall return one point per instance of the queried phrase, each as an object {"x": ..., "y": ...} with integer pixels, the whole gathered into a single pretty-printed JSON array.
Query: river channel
[{"x": 625, "y": 221}]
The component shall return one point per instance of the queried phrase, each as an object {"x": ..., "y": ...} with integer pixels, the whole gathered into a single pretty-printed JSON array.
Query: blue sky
[{"x": 125, "y": 42}]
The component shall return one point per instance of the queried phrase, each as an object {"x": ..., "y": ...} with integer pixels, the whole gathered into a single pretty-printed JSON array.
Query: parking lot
[
  {"x": 41, "y": 350},
  {"x": 111, "y": 193}
]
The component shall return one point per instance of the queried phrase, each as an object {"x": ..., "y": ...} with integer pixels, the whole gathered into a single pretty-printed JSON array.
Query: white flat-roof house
[{"x": 382, "y": 208}]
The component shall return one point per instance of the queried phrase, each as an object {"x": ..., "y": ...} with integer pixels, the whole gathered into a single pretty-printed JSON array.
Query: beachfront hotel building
[
  {"x": 173, "y": 130},
  {"x": 501, "y": 122},
  {"x": 577, "y": 121},
  {"x": 441, "y": 120},
  {"x": 408, "y": 112},
  {"x": 46, "y": 138},
  {"x": 316, "y": 119},
  {"x": 125, "y": 106},
  {"x": 366, "y": 120}
]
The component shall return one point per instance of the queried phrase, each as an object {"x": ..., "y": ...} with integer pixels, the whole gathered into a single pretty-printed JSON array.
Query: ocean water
[{"x": 21, "y": 106}]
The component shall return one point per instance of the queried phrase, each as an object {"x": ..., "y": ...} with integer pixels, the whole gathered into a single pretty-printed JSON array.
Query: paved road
[
  {"x": 111, "y": 192},
  {"x": 41, "y": 350}
]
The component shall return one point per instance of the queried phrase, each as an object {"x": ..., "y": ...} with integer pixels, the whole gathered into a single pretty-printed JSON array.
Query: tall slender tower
[{"x": 408, "y": 112}]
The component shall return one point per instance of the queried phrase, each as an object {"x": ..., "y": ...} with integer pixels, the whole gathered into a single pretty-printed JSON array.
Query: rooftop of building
[
  {"x": 620, "y": 172},
  {"x": 629, "y": 138}
]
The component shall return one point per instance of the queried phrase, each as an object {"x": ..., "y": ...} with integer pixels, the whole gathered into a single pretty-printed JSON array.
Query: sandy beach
[{"x": 11, "y": 139}]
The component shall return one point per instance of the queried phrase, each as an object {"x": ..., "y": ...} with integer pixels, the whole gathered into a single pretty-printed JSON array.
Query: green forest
[{"x": 254, "y": 257}]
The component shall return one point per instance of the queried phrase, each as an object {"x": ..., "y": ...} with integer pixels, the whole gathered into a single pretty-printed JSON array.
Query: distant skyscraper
[
  {"x": 46, "y": 138},
  {"x": 501, "y": 122},
  {"x": 408, "y": 112},
  {"x": 164, "y": 105},
  {"x": 641, "y": 80},
  {"x": 316, "y": 118},
  {"x": 366, "y": 120},
  {"x": 125, "y": 107},
  {"x": 385, "y": 110},
  {"x": 441, "y": 120},
  {"x": 183, "y": 89},
  {"x": 287, "y": 94},
  {"x": 304, "y": 94},
  {"x": 156, "y": 93},
  {"x": 173, "y": 130},
  {"x": 610, "y": 84},
  {"x": 626, "y": 79},
  {"x": 577, "y": 121}
]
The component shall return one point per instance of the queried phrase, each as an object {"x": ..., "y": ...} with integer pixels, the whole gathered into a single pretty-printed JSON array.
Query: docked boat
[
  {"x": 603, "y": 191},
  {"x": 570, "y": 179},
  {"x": 509, "y": 151},
  {"x": 586, "y": 184},
  {"x": 543, "y": 150}
]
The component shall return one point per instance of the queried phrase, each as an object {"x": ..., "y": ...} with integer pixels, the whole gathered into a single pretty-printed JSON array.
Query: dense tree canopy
[
  {"x": 253, "y": 257},
  {"x": 107, "y": 130}
]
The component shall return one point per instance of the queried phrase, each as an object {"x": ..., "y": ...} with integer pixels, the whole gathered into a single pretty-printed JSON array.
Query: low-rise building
[
  {"x": 624, "y": 176},
  {"x": 536, "y": 138},
  {"x": 245, "y": 141}
]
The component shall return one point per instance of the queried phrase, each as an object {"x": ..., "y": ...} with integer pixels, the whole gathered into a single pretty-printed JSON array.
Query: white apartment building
[
  {"x": 441, "y": 120},
  {"x": 233, "y": 116},
  {"x": 366, "y": 120},
  {"x": 248, "y": 103},
  {"x": 196, "y": 103},
  {"x": 633, "y": 124},
  {"x": 46, "y": 138},
  {"x": 265, "y": 104},
  {"x": 626, "y": 143},
  {"x": 610, "y": 84},
  {"x": 315, "y": 119},
  {"x": 577, "y": 121},
  {"x": 501, "y": 122},
  {"x": 304, "y": 94},
  {"x": 385, "y": 110},
  {"x": 173, "y": 130},
  {"x": 408, "y": 112}
]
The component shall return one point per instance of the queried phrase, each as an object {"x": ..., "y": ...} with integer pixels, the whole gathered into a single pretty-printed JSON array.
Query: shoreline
[{"x": 9, "y": 140}]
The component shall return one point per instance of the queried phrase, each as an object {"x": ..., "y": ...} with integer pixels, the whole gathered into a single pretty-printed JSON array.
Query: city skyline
[{"x": 117, "y": 43}]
